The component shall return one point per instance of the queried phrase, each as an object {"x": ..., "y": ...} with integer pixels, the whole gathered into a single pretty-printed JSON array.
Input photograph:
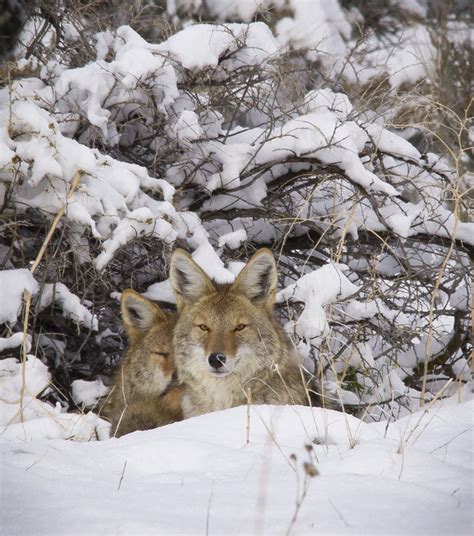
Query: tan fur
[
  {"x": 260, "y": 362},
  {"x": 144, "y": 394}
]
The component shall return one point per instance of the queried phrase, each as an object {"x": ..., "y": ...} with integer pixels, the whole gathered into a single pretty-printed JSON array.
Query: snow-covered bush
[{"x": 223, "y": 138}]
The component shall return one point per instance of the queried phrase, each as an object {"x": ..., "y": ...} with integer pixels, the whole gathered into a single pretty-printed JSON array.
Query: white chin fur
[
  {"x": 223, "y": 371},
  {"x": 218, "y": 373}
]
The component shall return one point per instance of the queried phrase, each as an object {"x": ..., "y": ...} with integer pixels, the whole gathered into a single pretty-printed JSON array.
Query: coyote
[
  {"x": 229, "y": 347},
  {"x": 145, "y": 390}
]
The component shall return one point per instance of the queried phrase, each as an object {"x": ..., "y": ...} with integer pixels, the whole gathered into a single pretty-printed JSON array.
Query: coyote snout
[
  {"x": 221, "y": 364},
  {"x": 220, "y": 338}
]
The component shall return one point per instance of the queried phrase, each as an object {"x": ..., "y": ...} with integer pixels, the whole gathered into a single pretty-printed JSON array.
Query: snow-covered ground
[{"x": 201, "y": 476}]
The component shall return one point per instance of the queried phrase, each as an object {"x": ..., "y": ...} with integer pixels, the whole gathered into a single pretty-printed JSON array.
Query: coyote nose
[{"x": 216, "y": 360}]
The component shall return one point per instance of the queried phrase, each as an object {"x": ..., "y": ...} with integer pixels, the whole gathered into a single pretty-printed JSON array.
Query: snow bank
[
  {"x": 413, "y": 476},
  {"x": 23, "y": 417}
]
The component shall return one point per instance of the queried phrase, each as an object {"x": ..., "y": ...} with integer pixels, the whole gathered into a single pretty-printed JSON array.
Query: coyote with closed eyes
[{"x": 145, "y": 392}]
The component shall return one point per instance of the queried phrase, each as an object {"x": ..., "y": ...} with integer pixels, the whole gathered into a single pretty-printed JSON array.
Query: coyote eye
[
  {"x": 161, "y": 354},
  {"x": 203, "y": 327},
  {"x": 240, "y": 327}
]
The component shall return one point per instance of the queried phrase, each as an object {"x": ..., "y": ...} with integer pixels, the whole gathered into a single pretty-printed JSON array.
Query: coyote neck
[
  {"x": 269, "y": 387},
  {"x": 212, "y": 394}
]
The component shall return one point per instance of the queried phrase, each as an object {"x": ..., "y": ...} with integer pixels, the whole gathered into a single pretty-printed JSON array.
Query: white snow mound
[{"x": 413, "y": 478}]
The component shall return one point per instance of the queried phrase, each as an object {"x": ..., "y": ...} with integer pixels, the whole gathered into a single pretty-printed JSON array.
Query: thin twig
[
  {"x": 27, "y": 295},
  {"x": 121, "y": 476}
]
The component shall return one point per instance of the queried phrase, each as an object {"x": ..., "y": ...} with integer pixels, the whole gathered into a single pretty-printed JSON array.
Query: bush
[{"x": 223, "y": 138}]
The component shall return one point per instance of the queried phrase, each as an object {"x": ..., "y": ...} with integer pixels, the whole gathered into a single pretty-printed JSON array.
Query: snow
[
  {"x": 24, "y": 417},
  {"x": 411, "y": 6},
  {"x": 234, "y": 239},
  {"x": 106, "y": 198},
  {"x": 12, "y": 285},
  {"x": 15, "y": 340},
  {"x": 388, "y": 142},
  {"x": 316, "y": 290},
  {"x": 69, "y": 303},
  {"x": 203, "y": 45},
  {"x": 138, "y": 222},
  {"x": 207, "y": 258},
  {"x": 244, "y": 10},
  {"x": 411, "y": 476},
  {"x": 36, "y": 378},
  {"x": 407, "y": 58},
  {"x": 442, "y": 222},
  {"x": 323, "y": 135},
  {"x": 53, "y": 423},
  {"x": 323, "y": 31},
  {"x": 461, "y": 298},
  {"x": 356, "y": 310},
  {"x": 234, "y": 158},
  {"x": 413, "y": 59},
  {"x": 187, "y": 126},
  {"x": 89, "y": 86},
  {"x": 88, "y": 393},
  {"x": 318, "y": 26},
  {"x": 401, "y": 223},
  {"x": 162, "y": 291},
  {"x": 328, "y": 101}
]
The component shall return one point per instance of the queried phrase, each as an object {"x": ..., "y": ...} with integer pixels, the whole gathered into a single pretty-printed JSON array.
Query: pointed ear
[
  {"x": 138, "y": 313},
  {"x": 258, "y": 280},
  {"x": 188, "y": 280}
]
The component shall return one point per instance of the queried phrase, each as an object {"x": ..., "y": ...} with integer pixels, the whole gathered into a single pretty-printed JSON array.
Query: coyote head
[
  {"x": 225, "y": 329},
  {"x": 150, "y": 330}
]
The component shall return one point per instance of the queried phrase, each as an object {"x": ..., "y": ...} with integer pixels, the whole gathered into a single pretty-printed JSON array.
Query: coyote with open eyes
[{"x": 229, "y": 348}]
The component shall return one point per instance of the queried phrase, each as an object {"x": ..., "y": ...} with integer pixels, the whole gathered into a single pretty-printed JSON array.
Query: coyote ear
[
  {"x": 138, "y": 313},
  {"x": 188, "y": 280},
  {"x": 258, "y": 280}
]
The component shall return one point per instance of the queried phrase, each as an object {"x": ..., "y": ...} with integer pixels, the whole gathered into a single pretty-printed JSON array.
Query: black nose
[{"x": 216, "y": 360}]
